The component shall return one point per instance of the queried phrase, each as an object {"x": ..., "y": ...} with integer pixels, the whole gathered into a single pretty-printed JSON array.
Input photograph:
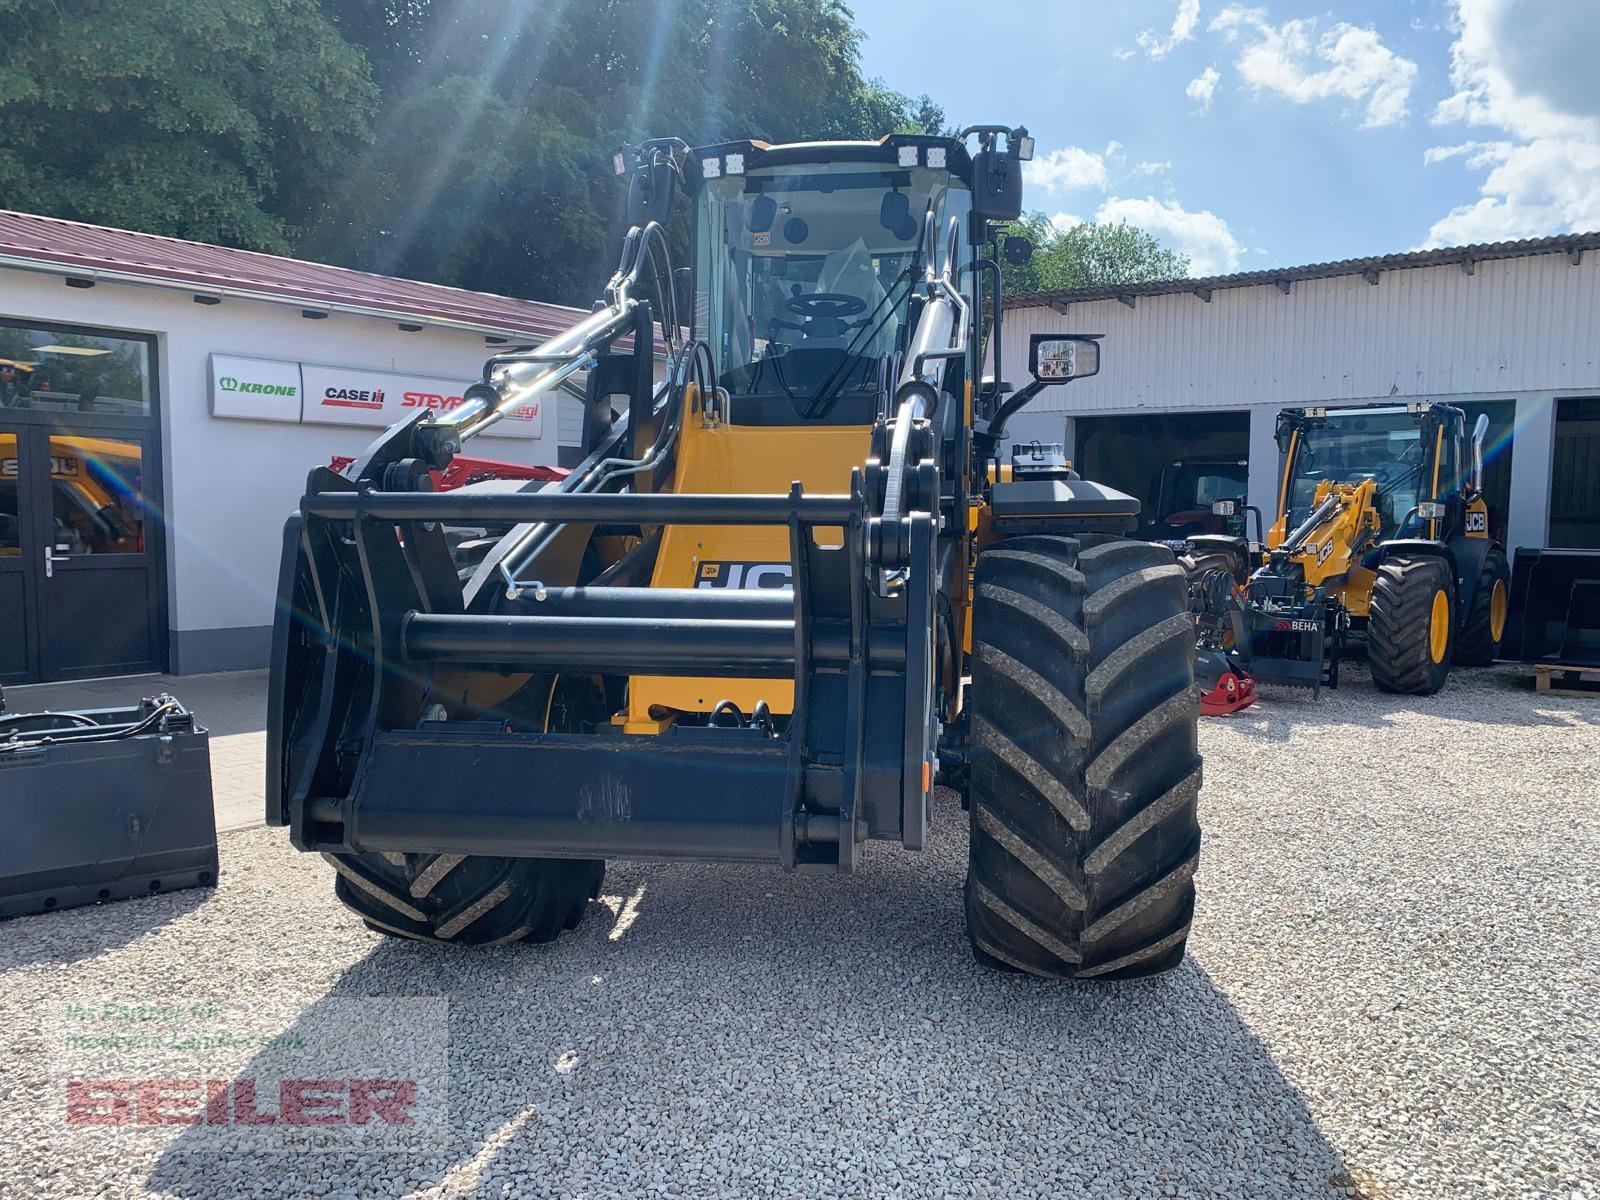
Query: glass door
[{"x": 82, "y": 567}]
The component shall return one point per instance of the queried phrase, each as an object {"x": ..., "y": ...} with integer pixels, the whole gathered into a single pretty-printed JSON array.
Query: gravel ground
[{"x": 1390, "y": 993}]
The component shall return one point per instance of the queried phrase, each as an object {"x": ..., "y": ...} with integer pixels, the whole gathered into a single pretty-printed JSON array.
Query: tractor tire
[
  {"x": 481, "y": 900},
  {"x": 1479, "y": 643},
  {"x": 468, "y": 900},
  {"x": 1411, "y": 626},
  {"x": 1195, "y": 565},
  {"x": 1085, "y": 762}
]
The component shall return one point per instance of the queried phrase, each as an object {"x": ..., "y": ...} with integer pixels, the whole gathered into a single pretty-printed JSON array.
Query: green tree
[
  {"x": 224, "y": 120},
  {"x": 491, "y": 164},
  {"x": 1089, "y": 255}
]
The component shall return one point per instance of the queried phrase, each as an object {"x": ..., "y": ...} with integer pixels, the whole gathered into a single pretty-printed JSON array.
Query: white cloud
[
  {"x": 1183, "y": 27},
  {"x": 1069, "y": 169},
  {"x": 1345, "y": 62},
  {"x": 1203, "y": 236},
  {"x": 1063, "y": 221},
  {"x": 1150, "y": 168},
  {"x": 1526, "y": 72},
  {"x": 1202, "y": 89},
  {"x": 1122, "y": 54}
]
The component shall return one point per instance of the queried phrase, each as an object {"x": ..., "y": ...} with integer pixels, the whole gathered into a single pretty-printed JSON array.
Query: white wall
[
  {"x": 230, "y": 484},
  {"x": 1516, "y": 326}
]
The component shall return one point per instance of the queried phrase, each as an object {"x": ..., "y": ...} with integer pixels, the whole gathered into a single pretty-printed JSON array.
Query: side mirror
[
  {"x": 1480, "y": 430},
  {"x": 1284, "y": 433},
  {"x": 1017, "y": 250},
  {"x": 650, "y": 193},
  {"x": 1061, "y": 358}
]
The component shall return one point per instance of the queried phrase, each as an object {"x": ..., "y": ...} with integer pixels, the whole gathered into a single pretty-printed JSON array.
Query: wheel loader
[
  {"x": 790, "y": 589},
  {"x": 1381, "y": 529}
]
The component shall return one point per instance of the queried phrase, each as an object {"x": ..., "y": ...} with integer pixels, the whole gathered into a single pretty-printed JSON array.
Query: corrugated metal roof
[
  {"x": 1566, "y": 243},
  {"x": 33, "y": 242}
]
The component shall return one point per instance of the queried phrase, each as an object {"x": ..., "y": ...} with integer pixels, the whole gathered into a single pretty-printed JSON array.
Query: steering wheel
[{"x": 827, "y": 306}]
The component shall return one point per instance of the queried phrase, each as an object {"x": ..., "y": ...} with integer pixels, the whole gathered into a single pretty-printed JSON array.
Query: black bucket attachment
[
  {"x": 103, "y": 805},
  {"x": 1555, "y": 608}
]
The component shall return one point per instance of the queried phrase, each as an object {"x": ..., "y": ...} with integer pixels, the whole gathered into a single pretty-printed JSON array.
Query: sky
[{"x": 1281, "y": 133}]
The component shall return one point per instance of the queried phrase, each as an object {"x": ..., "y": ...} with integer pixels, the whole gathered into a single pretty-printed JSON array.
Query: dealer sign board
[
  {"x": 257, "y": 389},
  {"x": 346, "y": 396}
]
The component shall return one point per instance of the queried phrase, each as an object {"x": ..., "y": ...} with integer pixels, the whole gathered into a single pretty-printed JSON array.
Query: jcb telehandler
[
  {"x": 740, "y": 628},
  {"x": 1381, "y": 528}
]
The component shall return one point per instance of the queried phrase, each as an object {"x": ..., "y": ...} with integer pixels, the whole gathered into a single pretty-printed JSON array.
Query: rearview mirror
[
  {"x": 1061, "y": 358},
  {"x": 650, "y": 193},
  {"x": 1480, "y": 429}
]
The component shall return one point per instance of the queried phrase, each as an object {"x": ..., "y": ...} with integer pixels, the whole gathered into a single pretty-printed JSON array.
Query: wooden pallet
[{"x": 1560, "y": 680}]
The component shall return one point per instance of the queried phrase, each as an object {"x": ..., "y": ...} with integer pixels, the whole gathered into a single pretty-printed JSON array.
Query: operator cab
[
  {"x": 1381, "y": 444},
  {"x": 809, "y": 262}
]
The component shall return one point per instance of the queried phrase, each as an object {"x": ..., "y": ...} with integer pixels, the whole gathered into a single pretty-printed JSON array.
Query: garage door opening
[
  {"x": 1175, "y": 464},
  {"x": 1575, "y": 476}
]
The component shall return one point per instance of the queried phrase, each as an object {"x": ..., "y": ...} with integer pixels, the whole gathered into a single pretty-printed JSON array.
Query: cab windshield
[
  {"x": 805, "y": 276},
  {"x": 1383, "y": 444}
]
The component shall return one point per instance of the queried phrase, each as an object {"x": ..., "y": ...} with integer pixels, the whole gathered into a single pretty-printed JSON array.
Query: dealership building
[
  {"x": 1194, "y": 372},
  {"x": 161, "y": 403}
]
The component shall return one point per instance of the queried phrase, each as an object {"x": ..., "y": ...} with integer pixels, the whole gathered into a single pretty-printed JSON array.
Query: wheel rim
[
  {"x": 1498, "y": 604},
  {"x": 1439, "y": 626}
]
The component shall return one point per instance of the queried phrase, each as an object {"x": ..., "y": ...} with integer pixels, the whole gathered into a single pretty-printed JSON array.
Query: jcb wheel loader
[
  {"x": 1382, "y": 529},
  {"x": 740, "y": 629}
]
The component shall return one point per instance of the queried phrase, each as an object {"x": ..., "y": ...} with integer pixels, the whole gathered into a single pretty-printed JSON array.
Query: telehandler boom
[{"x": 741, "y": 628}]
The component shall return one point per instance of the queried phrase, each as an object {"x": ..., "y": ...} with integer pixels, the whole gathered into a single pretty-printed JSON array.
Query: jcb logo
[
  {"x": 1477, "y": 522},
  {"x": 745, "y": 576}
]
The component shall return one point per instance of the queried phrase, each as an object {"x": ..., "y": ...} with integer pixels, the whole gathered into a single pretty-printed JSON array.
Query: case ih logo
[
  {"x": 229, "y": 384},
  {"x": 336, "y": 397},
  {"x": 234, "y": 1102}
]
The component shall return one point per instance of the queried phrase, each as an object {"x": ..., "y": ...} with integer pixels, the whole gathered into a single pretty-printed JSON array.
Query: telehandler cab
[
  {"x": 1381, "y": 528},
  {"x": 740, "y": 629}
]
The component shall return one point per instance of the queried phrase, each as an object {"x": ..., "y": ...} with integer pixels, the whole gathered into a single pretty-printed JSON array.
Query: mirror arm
[{"x": 1019, "y": 398}]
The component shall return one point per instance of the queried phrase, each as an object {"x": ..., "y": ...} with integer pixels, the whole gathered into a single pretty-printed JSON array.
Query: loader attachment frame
[{"x": 368, "y": 745}]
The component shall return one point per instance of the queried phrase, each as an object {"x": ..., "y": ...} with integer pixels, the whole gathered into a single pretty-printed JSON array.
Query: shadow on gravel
[
  {"x": 1356, "y": 703},
  {"x": 740, "y": 1031},
  {"x": 72, "y": 934}
]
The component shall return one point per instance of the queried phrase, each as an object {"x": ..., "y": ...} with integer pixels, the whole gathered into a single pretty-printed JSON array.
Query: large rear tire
[
  {"x": 1479, "y": 644},
  {"x": 1411, "y": 626},
  {"x": 1085, "y": 761}
]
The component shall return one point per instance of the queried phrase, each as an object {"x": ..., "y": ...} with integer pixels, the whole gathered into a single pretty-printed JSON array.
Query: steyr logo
[{"x": 429, "y": 400}]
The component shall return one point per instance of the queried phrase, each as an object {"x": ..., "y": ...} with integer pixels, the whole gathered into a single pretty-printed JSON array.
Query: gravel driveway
[{"x": 1391, "y": 992}]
